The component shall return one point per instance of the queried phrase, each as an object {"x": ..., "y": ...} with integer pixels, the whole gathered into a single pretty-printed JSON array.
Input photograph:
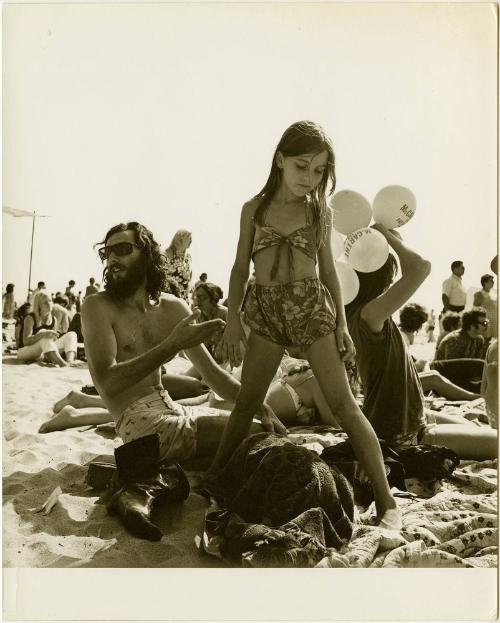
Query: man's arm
[
  {"x": 214, "y": 376},
  {"x": 110, "y": 377}
]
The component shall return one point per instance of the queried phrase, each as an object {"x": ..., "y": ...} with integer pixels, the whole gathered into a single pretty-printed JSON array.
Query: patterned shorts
[
  {"x": 158, "y": 413},
  {"x": 290, "y": 314}
]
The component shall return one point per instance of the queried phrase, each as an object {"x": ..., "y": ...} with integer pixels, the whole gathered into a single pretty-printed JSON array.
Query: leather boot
[{"x": 142, "y": 483}]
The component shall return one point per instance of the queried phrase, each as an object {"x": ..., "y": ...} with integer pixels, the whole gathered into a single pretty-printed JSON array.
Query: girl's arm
[
  {"x": 230, "y": 345},
  {"x": 328, "y": 276},
  {"x": 414, "y": 271}
]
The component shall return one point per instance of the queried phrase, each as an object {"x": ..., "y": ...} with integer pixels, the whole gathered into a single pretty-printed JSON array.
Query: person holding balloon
[
  {"x": 286, "y": 230},
  {"x": 393, "y": 396}
]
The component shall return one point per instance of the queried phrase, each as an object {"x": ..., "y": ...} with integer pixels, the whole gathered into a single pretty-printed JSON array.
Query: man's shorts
[{"x": 174, "y": 423}]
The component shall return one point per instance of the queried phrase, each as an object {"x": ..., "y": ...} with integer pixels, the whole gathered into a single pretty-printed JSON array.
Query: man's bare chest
[{"x": 138, "y": 332}]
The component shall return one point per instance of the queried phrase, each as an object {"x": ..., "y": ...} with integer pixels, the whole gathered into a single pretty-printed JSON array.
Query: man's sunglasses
[
  {"x": 119, "y": 249},
  {"x": 483, "y": 323}
]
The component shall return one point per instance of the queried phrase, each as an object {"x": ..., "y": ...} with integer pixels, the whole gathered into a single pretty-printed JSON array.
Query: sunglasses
[
  {"x": 484, "y": 323},
  {"x": 119, "y": 249}
]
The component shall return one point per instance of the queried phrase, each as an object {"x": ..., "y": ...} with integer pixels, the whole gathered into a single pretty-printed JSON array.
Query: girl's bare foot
[{"x": 391, "y": 520}]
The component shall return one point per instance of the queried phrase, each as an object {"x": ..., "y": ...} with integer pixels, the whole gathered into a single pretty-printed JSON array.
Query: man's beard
[{"x": 120, "y": 288}]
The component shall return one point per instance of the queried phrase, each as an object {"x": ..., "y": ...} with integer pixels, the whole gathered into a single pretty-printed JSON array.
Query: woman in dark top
[
  {"x": 393, "y": 394},
  {"x": 39, "y": 339}
]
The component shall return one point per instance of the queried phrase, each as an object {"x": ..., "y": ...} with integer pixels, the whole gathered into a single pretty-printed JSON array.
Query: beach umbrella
[{"x": 17, "y": 213}]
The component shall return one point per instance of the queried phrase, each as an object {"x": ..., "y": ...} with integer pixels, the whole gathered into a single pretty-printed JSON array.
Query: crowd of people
[{"x": 284, "y": 349}]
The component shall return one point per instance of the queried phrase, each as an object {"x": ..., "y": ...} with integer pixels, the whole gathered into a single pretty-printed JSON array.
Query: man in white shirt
[{"x": 453, "y": 293}]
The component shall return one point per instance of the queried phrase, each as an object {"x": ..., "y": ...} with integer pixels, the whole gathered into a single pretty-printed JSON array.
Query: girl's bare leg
[
  {"x": 69, "y": 417},
  {"x": 261, "y": 361},
  {"x": 330, "y": 373}
]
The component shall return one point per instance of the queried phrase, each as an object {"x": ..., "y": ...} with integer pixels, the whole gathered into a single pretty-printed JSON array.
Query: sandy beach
[{"x": 79, "y": 532}]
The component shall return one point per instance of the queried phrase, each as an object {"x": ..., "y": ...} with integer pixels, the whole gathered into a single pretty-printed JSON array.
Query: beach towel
[{"x": 280, "y": 505}]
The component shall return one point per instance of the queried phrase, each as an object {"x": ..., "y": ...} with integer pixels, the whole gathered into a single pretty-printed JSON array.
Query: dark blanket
[{"x": 281, "y": 505}]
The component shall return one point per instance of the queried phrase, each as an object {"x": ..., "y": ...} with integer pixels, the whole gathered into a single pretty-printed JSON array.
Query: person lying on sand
[{"x": 295, "y": 397}]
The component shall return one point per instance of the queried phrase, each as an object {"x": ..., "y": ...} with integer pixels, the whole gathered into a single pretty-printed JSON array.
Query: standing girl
[
  {"x": 178, "y": 263},
  {"x": 286, "y": 229}
]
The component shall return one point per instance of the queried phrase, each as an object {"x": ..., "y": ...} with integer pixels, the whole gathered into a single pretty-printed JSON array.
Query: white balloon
[
  {"x": 337, "y": 244},
  {"x": 350, "y": 211},
  {"x": 349, "y": 282},
  {"x": 394, "y": 206},
  {"x": 366, "y": 249}
]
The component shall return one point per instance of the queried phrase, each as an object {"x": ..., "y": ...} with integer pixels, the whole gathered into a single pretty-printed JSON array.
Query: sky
[{"x": 170, "y": 114}]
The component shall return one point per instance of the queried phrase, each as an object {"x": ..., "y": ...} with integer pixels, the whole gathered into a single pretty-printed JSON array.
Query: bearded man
[{"x": 132, "y": 328}]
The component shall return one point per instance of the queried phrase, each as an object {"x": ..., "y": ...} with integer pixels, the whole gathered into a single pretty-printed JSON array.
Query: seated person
[
  {"x": 79, "y": 409},
  {"x": 460, "y": 355},
  {"x": 412, "y": 318},
  {"x": 450, "y": 321},
  {"x": 207, "y": 297},
  {"x": 393, "y": 396},
  {"x": 39, "y": 338},
  {"x": 467, "y": 342}
]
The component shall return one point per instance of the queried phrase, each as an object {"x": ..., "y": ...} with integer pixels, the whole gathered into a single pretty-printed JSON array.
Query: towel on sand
[{"x": 282, "y": 505}]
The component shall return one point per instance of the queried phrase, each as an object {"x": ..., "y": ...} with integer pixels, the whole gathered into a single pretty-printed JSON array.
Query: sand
[{"x": 78, "y": 531}]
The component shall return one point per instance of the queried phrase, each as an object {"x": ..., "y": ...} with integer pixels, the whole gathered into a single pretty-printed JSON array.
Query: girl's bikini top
[{"x": 303, "y": 239}]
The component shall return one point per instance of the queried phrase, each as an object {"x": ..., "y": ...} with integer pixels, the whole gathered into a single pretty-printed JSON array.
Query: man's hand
[
  {"x": 188, "y": 333},
  {"x": 269, "y": 420}
]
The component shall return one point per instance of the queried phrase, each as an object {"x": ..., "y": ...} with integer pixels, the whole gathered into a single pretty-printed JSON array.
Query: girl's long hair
[{"x": 303, "y": 137}]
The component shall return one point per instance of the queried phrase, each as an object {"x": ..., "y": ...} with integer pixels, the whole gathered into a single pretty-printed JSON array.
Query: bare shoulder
[
  {"x": 250, "y": 207},
  {"x": 173, "y": 308},
  {"x": 98, "y": 303}
]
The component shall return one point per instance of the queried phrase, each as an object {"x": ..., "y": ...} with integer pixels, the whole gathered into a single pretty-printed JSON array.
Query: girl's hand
[
  {"x": 345, "y": 344},
  {"x": 230, "y": 344},
  {"x": 53, "y": 335}
]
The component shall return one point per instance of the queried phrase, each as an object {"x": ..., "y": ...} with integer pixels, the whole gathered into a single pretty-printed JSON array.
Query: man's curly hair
[{"x": 156, "y": 280}]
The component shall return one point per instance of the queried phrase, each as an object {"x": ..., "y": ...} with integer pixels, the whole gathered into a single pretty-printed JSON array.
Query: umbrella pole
[{"x": 31, "y": 254}]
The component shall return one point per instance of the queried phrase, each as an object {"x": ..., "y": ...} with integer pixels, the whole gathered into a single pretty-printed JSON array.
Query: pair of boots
[{"x": 141, "y": 482}]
